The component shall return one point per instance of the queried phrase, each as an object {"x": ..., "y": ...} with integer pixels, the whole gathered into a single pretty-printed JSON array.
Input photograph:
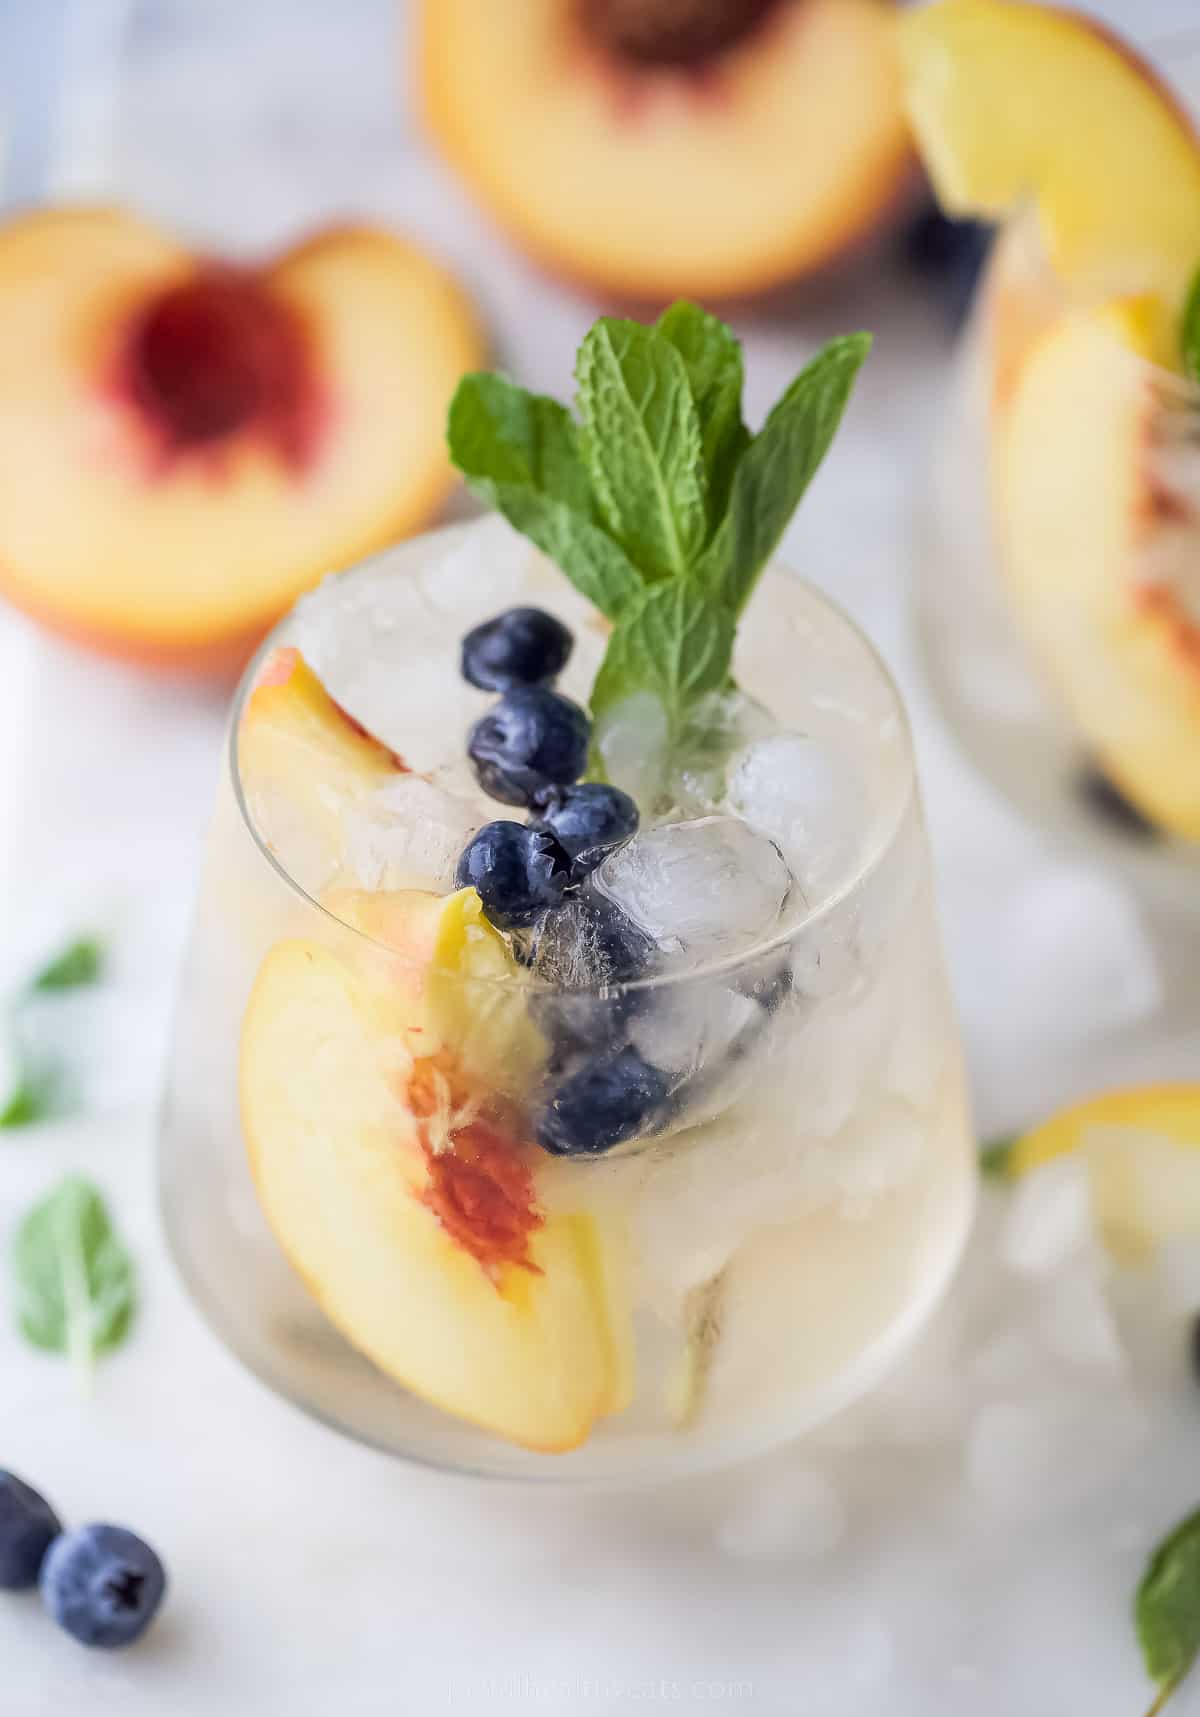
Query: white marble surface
[{"x": 311, "y": 1576}]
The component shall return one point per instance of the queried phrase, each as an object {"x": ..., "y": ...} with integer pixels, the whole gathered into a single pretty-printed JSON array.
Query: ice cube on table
[
  {"x": 702, "y": 889},
  {"x": 1049, "y": 1218},
  {"x": 795, "y": 1511},
  {"x": 809, "y": 800}
]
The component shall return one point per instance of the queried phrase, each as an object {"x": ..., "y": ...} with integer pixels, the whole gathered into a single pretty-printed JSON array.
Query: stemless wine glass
[
  {"x": 993, "y": 657},
  {"x": 360, "y": 1063}
]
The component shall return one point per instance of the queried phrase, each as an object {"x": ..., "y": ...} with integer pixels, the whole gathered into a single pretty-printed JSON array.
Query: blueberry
[
  {"x": 520, "y": 873},
  {"x": 530, "y": 740},
  {"x": 1102, "y": 795},
  {"x": 951, "y": 254},
  {"x": 587, "y": 821},
  {"x": 587, "y": 950},
  {"x": 28, "y": 1527},
  {"x": 521, "y": 647},
  {"x": 609, "y": 1099},
  {"x": 102, "y": 1584}
]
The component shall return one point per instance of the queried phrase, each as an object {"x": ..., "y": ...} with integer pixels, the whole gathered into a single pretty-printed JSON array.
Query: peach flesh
[
  {"x": 220, "y": 355},
  {"x": 685, "y": 33}
]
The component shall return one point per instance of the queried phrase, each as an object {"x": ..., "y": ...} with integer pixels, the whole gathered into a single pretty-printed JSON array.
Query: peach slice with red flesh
[
  {"x": 406, "y": 1197},
  {"x": 185, "y": 446},
  {"x": 658, "y": 147}
]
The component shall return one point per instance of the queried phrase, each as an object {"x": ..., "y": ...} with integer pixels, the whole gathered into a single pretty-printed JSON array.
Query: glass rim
[{"x": 876, "y": 854}]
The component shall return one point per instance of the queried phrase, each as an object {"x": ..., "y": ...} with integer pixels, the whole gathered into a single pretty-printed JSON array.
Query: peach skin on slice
[
  {"x": 1142, "y": 1148},
  {"x": 1100, "y": 539},
  {"x": 1013, "y": 101},
  {"x": 650, "y": 153},
  {"x": 186, "y": 446},
  {"x": 303, "y": 763},
  {"x": 436, "y": 1264}
]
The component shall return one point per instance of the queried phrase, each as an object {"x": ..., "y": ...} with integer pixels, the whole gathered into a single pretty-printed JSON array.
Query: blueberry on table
[
  {"x": 1102, "y": 796},
  {"x": 28, "y": 1527},
  {"x": 520, "y": 873},
  {"x": 588, "y": 821},
  {"x": 951, "y": 255},
  {"x": 531, "y": 739},
  {"x": 102, "y": 1584},
  {"x": 606, "y": 1101},
  {"x": 521, "y": 647}
]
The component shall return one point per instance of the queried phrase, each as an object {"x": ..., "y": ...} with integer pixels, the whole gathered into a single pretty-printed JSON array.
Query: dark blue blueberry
[
  {"x": 587, "y": 821},
  {"x": 951, "y": 255},
  {"x": 520, "y": 873},
  {"x": 605, "y": 1101},
  {"x": 521, "y": 647},
  {"x": 586, "y": 951},
  {"x": 1102, "y": 795},
  {"x": 102, "y": 1584},
  {"x": 28, "y": 1527},
  {"x": 530, "y": 740}
]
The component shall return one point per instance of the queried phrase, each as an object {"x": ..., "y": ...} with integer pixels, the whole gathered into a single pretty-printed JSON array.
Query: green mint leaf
[
  {"x": 715, "y": 371},
  {"x": 1167, "y": 1608},
  {"x": 80, "y": 963},
  {"x": 74, "y": 1278},
  {"x": 777, "y": 468},
  {"x": 643, "y": 446},
  {"x": 520, "y": 453},
  {"x": 676, "y": 644},
  {"x": 501, "y": 434},
  {"x": 32, "y": 1099},
  {"x": 995, "y": 1158},
  {"x": 1189, "y": 338}
]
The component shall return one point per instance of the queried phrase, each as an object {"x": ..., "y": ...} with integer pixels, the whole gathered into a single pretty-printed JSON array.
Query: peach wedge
[
  {"x": 437, "y": 1263},
  {"x": 652, "y": 149},
  {"x": 1012, "y": 101},
  {"x": 1097, "y": 548},
  {"x": 186, "y": 445}
]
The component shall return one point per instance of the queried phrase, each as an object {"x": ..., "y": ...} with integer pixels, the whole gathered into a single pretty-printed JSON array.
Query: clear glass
[
  {"x": 984, "y": 659},
  {"x": 772, "y": 1248}
]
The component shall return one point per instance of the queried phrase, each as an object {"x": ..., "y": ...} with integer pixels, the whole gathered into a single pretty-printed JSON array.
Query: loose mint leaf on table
[
  {"x": 74, "y": 1279},
  {"x": 776, "y": 469},
  {"x": 641, "y": 439},
  {"x": 995, "y": 1158},
  {"x": 713, "y": 359},
  {"x": 1167, "y": 1609},
  {"x": 659, "y": 505},
  {"x": 1189, "y": 338},
  {"x": 35, "y": 1095},
  {"x": 80, "y": 963}
]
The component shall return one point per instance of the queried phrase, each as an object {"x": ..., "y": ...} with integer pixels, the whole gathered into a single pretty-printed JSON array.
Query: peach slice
[
  {"x": 437, "y": 1263},
  {"x": 185, "y": 446},
  {"x": 303, "y": 763},
  {"x": 1100, "y": 537},
  {"x": 1013, "y": 101},
  {"x": 653, "y": 149},
  {"x": 1142, "y": 1149}
]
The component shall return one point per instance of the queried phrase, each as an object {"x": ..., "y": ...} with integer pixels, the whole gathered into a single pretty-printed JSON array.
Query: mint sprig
[
  {"x": 658, "y": 503},
  {"x": 1167, "y": 1609},
  {"x": 1189, "y": 333}
]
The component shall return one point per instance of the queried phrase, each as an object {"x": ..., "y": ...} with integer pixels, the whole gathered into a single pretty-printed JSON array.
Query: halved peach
[
  {"x": 1100, "y": 535},
  {"x": 304, "y": 763},
  {"x": 185, "y": 445},
  {"x": 652, "y": 148},
  {"x": 1013, "y": 101},
  {"x": 408, "y": 1205}
]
